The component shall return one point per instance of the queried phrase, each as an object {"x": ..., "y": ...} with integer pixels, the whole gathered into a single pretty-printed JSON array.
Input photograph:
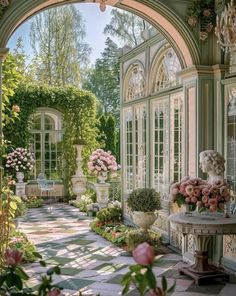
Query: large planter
[
  {"x": 144, "y": 219},
  {"x": 102, "y": 177}
]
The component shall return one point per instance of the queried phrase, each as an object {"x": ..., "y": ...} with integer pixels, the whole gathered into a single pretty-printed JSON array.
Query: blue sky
[{"x": 95, "y": 21}]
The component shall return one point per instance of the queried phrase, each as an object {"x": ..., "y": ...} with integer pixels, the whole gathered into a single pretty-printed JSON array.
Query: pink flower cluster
[
  {"x": 20, "y": 160},
  {"x": 101, "y": 162},
  {"x": 197, "y": 192}
]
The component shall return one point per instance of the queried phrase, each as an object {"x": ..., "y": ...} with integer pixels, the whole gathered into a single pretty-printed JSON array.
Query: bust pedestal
[
  {"x": 202, "y": 228},
  {"x": 20, "y": 189}
]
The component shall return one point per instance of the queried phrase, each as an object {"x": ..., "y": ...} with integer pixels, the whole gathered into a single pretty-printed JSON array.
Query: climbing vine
[{"x": 79, "y": 119}]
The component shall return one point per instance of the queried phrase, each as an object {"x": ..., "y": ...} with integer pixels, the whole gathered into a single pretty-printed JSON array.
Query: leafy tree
[
  {"x": 57, "y": 37},
  {"x": 127, "y": 27},
  {"x": 101, "y": 137},
  {"x": 111, "y": 134},
  {"x": 103, "y": 80},
  {"x": 12, "y": 77},
  {"x": 107, "y": 136}
]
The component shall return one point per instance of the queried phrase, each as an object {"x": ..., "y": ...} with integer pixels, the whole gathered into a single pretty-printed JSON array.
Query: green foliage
[
  {"x": 138, "y": 236},
  {"x": 111, "y": 135},
  {"x": 79, "y": 118},
  {"x": 33, "y": 202},
  {"x": 13, "y": 281},
  {"x": 110, "y": 215},
  {"x": 107, "y": 136},
  {"x": 57, "y": 36},
  {"x": 114, "y": 232},
  {"x": 144, "y": 200},
  {"x": 126, "y": 27},
  {"x": 20, "y": 242},
  {"x": 20, "y": 206},
  {"x": 102, "y": 80},
  {"x": 12, "y": 77}
]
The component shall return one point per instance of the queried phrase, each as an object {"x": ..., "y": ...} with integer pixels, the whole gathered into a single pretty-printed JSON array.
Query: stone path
[{"x": 89, "y": 263}]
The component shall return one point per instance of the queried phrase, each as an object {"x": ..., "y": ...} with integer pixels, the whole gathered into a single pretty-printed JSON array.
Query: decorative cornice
[{"x": 195, "y": 71}]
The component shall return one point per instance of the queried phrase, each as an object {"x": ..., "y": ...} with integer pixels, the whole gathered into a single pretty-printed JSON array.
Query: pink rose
[
  {"x": 207, "y": 12},
  {"x": 143, "y": 254},
  {"x": 197, "y": 191},
  {"x": 13, "y": 257},
  {"x": 193, "y": 199},
  {"x": 54, "y": 292},
  {"x": 206, "y": 191},
  {"x": 206, "y": 205},
  {"x": 213, "y": 202},
  {"x": 192, "y": 21},
  {"x": 189, "y": 190}
]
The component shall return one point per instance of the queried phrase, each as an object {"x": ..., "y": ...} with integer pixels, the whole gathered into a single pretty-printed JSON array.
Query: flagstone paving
[{"x": 89, "y": 263}]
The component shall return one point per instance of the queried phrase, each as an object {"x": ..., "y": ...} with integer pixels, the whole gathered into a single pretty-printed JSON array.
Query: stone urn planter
[
  {"x": 144, "y": 219},
  {"x": 143, "y": 203}
]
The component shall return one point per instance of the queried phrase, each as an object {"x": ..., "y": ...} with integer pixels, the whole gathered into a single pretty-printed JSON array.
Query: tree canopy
[{"x": 58, "y": 40}]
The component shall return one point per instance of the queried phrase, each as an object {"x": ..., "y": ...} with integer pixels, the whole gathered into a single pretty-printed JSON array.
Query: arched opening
[{"x": 165, "y": 20}]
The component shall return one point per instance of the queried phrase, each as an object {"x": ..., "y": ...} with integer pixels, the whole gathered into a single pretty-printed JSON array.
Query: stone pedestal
[
  {"x": 202, "y": 228},
  {"x": 79, "y": 180},
  {"x": 20, "y": 189},
  {"x": 102, "y": 190}
]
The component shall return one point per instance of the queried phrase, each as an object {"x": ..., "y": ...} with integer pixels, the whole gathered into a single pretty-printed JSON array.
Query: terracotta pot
[{"x": 144, "y": 219}]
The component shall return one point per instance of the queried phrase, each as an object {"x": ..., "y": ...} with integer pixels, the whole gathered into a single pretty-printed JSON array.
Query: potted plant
[{"x": 143, "y": 202}]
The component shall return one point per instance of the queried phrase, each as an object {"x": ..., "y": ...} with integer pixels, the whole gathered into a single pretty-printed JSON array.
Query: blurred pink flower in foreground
[
  {"x": 13, "y": 257},
  {"x": 143, "y": 254}
]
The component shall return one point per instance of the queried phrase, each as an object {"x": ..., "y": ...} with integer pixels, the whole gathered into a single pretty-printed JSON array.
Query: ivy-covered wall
[{"x": 79, "y": 120}]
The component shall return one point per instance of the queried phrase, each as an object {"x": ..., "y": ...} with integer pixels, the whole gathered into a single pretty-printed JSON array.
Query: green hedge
[{"x": 79, "y": 119}]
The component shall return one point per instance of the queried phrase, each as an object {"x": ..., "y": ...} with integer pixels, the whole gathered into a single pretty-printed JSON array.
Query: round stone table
[{"x": 202, "y": 228}]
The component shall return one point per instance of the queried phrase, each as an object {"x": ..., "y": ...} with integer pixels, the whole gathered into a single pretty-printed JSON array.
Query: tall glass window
[
  {"x": 231, "y": 140},
  {"x": 128, "y": 149},
  {"x": 161, "y": 145},
  {"x": 136, "y": 84},
  {"x": 47, "y": 143},
  {"x": 140, "y": 146},
  {"x": 176, "y": 138}
]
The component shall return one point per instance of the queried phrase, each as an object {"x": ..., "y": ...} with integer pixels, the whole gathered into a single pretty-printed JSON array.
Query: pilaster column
[
  {"x": 201, "y": 90},
  {"x": 3, "y": 54}
]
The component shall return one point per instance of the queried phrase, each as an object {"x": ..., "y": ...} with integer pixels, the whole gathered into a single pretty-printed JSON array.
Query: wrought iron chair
[{"x": 45, "y": 186}]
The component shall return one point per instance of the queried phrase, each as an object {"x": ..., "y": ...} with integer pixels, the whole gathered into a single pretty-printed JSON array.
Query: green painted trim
[{"x": 141, "y": 48}]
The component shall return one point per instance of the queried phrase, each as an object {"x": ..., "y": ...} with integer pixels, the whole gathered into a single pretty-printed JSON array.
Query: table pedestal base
[{"x": 201, "y": 271}]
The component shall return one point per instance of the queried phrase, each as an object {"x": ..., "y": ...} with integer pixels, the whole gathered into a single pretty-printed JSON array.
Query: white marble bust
[{"x": 212, "y": 163}]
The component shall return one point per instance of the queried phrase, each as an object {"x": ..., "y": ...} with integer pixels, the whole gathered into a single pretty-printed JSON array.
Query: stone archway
[{"x": 166, "y": 20}]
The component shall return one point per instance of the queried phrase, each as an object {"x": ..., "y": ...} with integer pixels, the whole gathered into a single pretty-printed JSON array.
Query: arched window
[
  {"x": 165, "y": 69},
  {"x": 46, "y": 130},
  {"x": 135, "y": 87}
]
